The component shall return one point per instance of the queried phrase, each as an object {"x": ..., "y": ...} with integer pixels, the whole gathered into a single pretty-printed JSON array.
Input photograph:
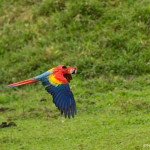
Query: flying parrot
[{"x": 56, "y": 81}]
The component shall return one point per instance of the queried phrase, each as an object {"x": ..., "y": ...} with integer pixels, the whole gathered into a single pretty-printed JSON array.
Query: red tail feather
[{"x": 21, "y": 83}]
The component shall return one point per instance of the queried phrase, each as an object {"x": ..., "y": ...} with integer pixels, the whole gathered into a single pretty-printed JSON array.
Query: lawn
[{"x": 113, "y": 113}]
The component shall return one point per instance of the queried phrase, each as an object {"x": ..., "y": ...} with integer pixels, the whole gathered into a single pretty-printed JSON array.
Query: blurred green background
[{"x": 109, "y": 43}]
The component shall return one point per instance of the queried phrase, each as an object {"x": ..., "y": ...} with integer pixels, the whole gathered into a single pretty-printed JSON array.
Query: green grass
[
  {"x": 98, "y": 37},
  {"x": 109, "y": 43},
  {"x": 113, "y": 113}
]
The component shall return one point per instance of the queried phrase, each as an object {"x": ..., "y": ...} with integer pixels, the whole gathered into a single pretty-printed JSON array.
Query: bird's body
[{"x": 56, "y": 81}]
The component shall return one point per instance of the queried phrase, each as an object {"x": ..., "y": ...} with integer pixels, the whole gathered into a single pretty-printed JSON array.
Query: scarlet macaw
[{"x": 57, "y": 81}]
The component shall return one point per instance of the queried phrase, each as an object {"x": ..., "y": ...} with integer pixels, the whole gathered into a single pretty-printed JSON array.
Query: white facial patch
[{"x": 72, "y": 71}]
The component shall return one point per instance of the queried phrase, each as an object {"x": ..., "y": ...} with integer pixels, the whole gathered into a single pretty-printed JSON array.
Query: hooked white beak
[{"x": 72, "y": 71}]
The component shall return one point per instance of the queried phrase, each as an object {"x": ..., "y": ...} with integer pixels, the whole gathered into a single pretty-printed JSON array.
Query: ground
[{"x": 112, "y": 114}]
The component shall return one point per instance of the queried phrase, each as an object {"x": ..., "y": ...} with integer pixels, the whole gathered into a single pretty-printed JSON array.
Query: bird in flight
[{"x": 56, "y": 81}]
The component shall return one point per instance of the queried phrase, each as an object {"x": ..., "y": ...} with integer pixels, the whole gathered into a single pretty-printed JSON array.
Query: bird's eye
[{"x": 64, "y": 67}]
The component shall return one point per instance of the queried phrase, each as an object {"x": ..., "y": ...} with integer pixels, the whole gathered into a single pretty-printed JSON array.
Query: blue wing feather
[
  {"x": 63, "y": 99},
  {"x": 43, "y": 75},
  {"x": 69, "y": 104},
  {"x": 66, "y": 110}
]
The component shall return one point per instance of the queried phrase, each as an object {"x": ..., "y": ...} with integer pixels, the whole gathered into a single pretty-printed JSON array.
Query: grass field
[
  {"x": 108, "y": 41},
  {"x": 113, "y": 113}
]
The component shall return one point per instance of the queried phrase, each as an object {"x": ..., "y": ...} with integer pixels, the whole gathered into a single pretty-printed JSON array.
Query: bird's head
[{"x": 65, "y": 71}]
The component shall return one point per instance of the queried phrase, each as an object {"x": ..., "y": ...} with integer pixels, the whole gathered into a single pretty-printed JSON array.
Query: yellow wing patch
[{"x": 53, "y": 80}]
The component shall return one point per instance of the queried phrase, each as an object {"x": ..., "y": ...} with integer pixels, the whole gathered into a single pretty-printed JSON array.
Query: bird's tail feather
[{"x": 22, "y": 83}]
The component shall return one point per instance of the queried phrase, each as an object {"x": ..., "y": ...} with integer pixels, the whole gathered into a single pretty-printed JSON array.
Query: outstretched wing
[{"x": 63, "y": 99}]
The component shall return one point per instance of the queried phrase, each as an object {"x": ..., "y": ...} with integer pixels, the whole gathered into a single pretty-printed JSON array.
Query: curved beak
[{"x": 72, "y": 70}]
